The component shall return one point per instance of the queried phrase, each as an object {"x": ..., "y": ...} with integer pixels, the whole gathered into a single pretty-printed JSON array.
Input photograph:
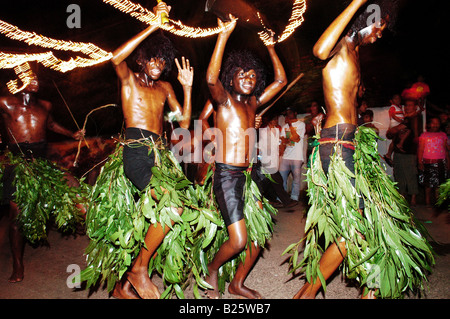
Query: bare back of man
[{"x": 341, "y": 78}]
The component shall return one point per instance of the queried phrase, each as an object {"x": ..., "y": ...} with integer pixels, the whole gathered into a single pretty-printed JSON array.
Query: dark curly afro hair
[
  {"x": 243, "y": 59},
  {"x": 155, "y": 46}
]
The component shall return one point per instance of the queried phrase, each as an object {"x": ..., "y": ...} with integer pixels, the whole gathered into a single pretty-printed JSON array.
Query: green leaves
[
  {"x": 386, "y": 247},
  {"x": 117, "y": 225},
  {"x": 444, "y": 193},
  {"x": 42, "y": 193}
]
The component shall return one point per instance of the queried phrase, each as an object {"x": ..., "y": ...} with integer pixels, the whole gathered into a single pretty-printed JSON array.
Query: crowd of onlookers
[{"x": 418, "y": 151}]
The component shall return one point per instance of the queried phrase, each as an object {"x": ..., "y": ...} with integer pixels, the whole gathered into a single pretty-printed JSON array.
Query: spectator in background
[
  {"x": 405, "y": 159},
  {"x": 269, "y": 156},
  {"x": 313, "y": 122},
  {"x": 361, "y": 110},
  {"x": 433, "y": 159},
  {"x": 367, "y": 117},
  {"x": 445, "y": 123},
  {"x": 418, "y": 91},
  {"x": 313, "y": 125},
  {"x": 293, "y": 157},
  {"x": 396, "y": 114},
  {"x": 396, "y": 117}
]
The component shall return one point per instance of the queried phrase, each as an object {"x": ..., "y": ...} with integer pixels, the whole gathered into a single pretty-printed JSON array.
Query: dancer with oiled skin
[
  {"x": 235, "y": 106},
  {"x": 27, "y": 119},
  {"x": 341, "y": 79},
  {"x": 357, "y": 215},
  {"x": 143, "y": 97}
]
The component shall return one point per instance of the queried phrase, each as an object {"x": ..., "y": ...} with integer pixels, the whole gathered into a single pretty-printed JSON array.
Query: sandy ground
[{"x": 47, "y": 268}]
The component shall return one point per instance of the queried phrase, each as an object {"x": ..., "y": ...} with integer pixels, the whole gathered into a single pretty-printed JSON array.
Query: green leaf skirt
[
  {"x": 387, "y": 249},
  {"x": 42, "y": 193},
  {"x": 119, "y": 217}
]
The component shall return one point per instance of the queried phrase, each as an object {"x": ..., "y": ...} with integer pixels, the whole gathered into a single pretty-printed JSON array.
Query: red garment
[
  {"x": 435, "y": 145},
  {"x": 417, "y": 91}
]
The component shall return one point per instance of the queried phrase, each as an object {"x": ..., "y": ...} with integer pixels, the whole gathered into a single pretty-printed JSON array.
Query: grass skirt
[
  {"x": 42, "y": 194},
  {"x": 386, "y": 247},
  {"x": 119, "y": 217}
]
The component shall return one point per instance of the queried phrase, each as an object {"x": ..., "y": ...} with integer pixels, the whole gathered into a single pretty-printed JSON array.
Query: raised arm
[
  {"x": 280, "y": 79},
  {"x": 122, "y": 52},
  {"x": 323, "y": 49},
  {"x": 218, "y": 92},
  {"x": 186, "y": 78}
]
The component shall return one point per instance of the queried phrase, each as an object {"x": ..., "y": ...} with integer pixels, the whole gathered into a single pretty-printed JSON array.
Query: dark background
[{"x": 418, "y": 47}]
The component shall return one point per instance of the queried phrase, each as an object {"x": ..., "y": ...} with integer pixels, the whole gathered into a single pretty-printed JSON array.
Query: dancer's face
[
  {"x": 154, "y": 68},
  {"x": 244, "y": 82}
]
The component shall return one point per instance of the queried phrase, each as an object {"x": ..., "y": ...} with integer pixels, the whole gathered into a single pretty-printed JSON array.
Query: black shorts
[
  {"x": 341, "y": 132},
  {"x": 229, "y": 184},
  {"x": 137, "y": 158},
  {"x": 29, "y": 151}
]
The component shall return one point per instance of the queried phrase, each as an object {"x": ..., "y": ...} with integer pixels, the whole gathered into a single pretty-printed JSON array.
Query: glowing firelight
[
  {"x": 148, "y": 17},
  {"x": 48, "y": 59},
  {"x": 96, "y": 55},
  {"x": 25, "y": 74},
  {"x": 178, "y": 28},
  {"x": 296, "y": 19}
]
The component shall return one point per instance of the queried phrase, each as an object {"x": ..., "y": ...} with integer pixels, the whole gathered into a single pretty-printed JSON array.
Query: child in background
[
  {"x": 396, "y": 117},
  {"x": 433, "y": 159}
]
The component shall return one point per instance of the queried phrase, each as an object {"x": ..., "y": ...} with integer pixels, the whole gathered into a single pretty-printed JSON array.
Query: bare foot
[
  {"x": 141, "y": 282},
  {"x": 370, "y": 295},
  {"x": 17, "y": 274},
  {"x": 124, "y": 290},
  {"x": 305, "y": 293},
  {"x": 243, "y": 291},
  {"x": 213, "y": 281}
]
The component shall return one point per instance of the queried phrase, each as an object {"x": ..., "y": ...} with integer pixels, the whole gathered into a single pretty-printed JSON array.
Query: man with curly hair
[
  {"x": 236, "y": 97},
  {"x": 143, "y": 97}
]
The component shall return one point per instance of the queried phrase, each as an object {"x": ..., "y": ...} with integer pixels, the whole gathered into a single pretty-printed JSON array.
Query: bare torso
[
  {"x": 236, "y": 122},
  {"x": 341, "y": 81},
  {"x": 25, "y": 123},
  {"x": 143, "y": 104}
]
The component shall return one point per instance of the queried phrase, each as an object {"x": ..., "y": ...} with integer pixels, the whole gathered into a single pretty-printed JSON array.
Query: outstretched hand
[
  {"x": 228, "y": 26},
  {"x": 185, "y": 72}
]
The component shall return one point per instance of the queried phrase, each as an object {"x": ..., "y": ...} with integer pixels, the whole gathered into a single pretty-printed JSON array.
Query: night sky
[{"x": 418, "y": 47}]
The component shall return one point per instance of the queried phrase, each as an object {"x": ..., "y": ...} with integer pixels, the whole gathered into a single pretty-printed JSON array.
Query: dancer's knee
[{"x": 238, "y": 236}]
